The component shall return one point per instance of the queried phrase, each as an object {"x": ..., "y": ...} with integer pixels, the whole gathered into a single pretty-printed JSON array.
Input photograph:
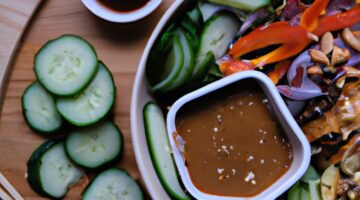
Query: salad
[{"x": 310, "y": 49}]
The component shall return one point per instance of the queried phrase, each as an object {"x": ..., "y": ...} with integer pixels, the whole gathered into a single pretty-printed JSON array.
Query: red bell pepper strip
[
  {"x": 309, "y": 18},
  {"x": 274, "y": 33},
  {"x": 338, "y": 21},
  {"x": 233, "y": 66},
  {"x": 279, "y": 71}
]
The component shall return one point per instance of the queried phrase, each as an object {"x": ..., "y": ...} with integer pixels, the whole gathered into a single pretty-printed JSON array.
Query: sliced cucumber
[
  {"x": 156, "y": 70},
  {"x": 244, "y": 4},
  {"x": 192, "y": 31},
  {"x": 39, "y": 109},
  {"x": 310, "y": 175},
  {"x": 50, "y": 172},
  {"x": 160, "y": 151},
  {"x": 92, "y": 104},
  {"x": 217, "y": 35},
  {"x": 189, "y": 59},
  {"x": 207, "y": 9},
  {"x": 314, "y": 189},
  {"x": 66, "y": 65},
  {"x": 113, "y": 184},
  {"x": 204, "y": 66},
  {"x": 174, "y": 61},
  {"x": 195, "y": 16},
  {"x": 94, "y": 146}
]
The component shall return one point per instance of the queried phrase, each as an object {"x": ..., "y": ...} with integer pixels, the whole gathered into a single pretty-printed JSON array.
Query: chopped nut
[
  {"x": 315, "y": 70},
  {"x": 313, "y": 37},
  {"x": 357, "y": 35},
  {"x": 350, "y": 39},
  {"x": 319, "y": 56},
  {"x": 327, "y": 43},
  {"x": 351, "y": 71},
  {"x": 339, "y": 55},
  {"x": 341, "y": 82}
]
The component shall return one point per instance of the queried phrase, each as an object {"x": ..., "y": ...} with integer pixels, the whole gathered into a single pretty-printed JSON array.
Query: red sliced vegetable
[
  {"x": 338, "y": 21},
  {"x": 279, "y": 71},
  {"x": 309, "y": 19}
]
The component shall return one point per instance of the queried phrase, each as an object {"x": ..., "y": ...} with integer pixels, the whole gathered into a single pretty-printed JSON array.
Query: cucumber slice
[
  {"x": 174, "y": 61},
  {"x": 244, "y": 4},
  {"x": 94, "y": 146},
  {"x": 92, "y": 104},
  {"x": 66, "y": 65},
  {"x": 310, "y": 175},
  {"x": 113, "y": 184},
  {"x": 207, "y": 10},
  {"x": 156, "y": 70},
  {"x": 294, "y": 192},
  {"x": 314, "y": 189},
  {"x": 195, "y": 16},
  {"x": 217, "y": 35},
  {"x": 160, "y": 151},
  {"x": 189, "y": 59},
  {"x": 192, "y": 32},
  {"x": 39, "y": 109},
  {"x": 50, "y": 172}
]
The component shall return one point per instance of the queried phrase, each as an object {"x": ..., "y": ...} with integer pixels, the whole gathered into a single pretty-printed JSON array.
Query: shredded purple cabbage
[
  {"x": 292, "y": 8},
  {"x": 252, "y": 18},
  {"x": 307, "y": 89},
  {"x": 337, "y": 6}
]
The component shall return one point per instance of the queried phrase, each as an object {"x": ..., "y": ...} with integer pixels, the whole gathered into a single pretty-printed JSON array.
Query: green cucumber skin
[
  {"x": 42, "y": 132},
  {"x": 162, "y": 87},
  {"x": 204, "y": 66},
  {"x": 90, "y": 77},
  {"x": 34, "y": 164},
  {"x": 155, "y": 164},
  {"x": 186, "y": 71},
  {"x": 105, "y": 164},
  {"x": 201, "y": 68},
  {"x": 244, "y": 4},
  {"x": 101, "y": 117},
  {"x": 114, "y": 168}
]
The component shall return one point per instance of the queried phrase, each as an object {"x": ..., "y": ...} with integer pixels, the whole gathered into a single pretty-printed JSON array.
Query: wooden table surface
[{"x": 119, "y": 46}]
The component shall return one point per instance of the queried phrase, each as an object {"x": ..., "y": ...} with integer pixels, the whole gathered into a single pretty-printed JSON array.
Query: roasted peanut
[
  {"x": 350, "y": 39},
  {"x": 339, "y": 55},
  {"x": 319, "y": 56},
  {"x": 327, "y": 43},
  {"x": 315, "y": 70}
]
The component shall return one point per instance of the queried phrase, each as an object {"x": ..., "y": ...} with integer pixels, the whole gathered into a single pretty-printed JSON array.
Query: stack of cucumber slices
[
  {"x": 74, "y": 94},
  {"x": 185, "y": 53}
]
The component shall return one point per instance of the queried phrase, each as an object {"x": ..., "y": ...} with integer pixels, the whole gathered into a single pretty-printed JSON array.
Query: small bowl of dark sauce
[{"x": 121, "y": 11}]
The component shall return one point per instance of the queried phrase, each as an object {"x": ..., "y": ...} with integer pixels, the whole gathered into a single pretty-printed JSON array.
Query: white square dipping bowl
[{"x": 298, "y": 141}]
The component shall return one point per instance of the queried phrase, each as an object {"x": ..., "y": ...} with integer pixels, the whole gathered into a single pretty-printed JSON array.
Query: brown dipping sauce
[
  {"x": 233, "y": 144},
  {"x": 123, "y": 5}
]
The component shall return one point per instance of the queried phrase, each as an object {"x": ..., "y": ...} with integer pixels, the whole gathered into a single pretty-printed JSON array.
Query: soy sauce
[{"x": 123, "y": 5}]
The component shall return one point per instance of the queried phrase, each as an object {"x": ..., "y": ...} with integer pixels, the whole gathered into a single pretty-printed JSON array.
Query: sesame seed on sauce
[{"x": 242, "y": 144}]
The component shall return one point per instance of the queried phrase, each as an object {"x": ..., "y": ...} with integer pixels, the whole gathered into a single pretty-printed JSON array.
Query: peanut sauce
[{"x": 234, "y": 145}]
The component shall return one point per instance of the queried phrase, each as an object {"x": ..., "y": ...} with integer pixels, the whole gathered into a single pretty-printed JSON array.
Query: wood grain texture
[
  {"x": 119, "y": 46},
  {"x": 14, "y": 16}
]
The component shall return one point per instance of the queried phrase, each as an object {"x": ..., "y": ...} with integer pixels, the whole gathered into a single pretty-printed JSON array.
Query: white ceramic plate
[{"x": 140, "y": 96}]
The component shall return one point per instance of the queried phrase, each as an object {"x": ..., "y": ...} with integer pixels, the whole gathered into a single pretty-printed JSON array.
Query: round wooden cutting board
[{"x": 119, "y": 46}]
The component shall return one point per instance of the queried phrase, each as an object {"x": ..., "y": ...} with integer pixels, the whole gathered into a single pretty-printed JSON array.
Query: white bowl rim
[
  {"x": 99, "y": 10},
  {"x": 279, "y": 186},
  {"x": 147, "y": 171}
]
